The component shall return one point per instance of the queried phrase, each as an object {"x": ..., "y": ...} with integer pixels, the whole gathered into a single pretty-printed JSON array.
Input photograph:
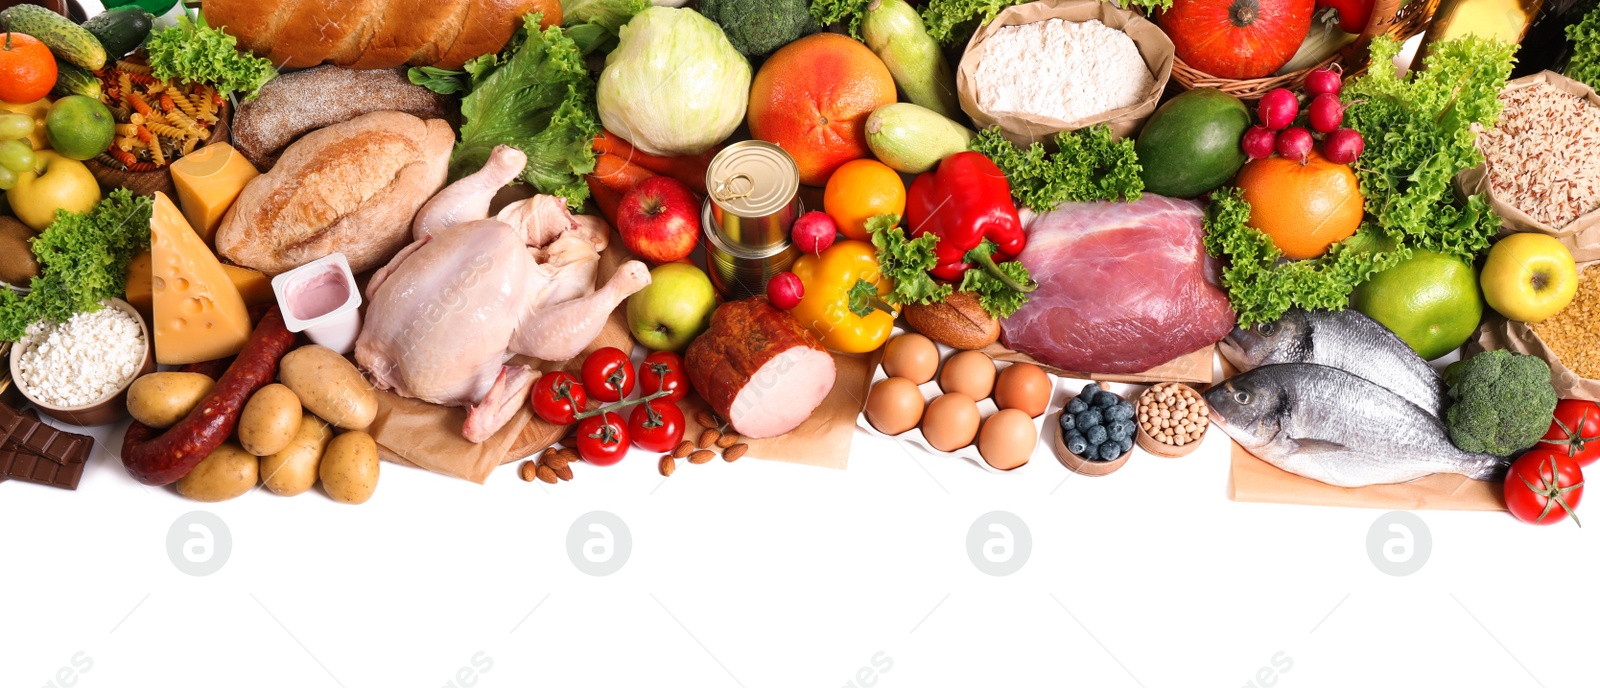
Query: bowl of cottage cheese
[
  {"x": 1054, "y": 66},
  {"x": 78, "y": 370}
]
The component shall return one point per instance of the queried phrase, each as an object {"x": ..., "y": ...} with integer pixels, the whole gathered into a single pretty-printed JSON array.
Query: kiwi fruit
[{"x": 17, "y": 265}]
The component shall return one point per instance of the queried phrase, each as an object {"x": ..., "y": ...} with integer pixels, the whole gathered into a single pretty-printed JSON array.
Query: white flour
[{"x": 1060, "y": 69}]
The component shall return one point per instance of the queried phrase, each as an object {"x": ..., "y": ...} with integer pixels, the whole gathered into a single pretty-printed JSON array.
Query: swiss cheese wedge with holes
[{"x": 198, "y": 314}]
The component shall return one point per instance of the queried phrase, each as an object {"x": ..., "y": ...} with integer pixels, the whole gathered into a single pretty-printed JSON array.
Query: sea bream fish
[
  {"x": 1347, "y": 340},
  {"x": 1328, "y": 425}
]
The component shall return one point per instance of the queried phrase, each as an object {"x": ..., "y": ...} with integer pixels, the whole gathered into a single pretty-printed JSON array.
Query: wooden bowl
[
  {"x": 1149, "y": 443},
  {"x": 1078, "y": 464},
  {"x": 111, "y": 409},
  {"x": 148, "y": 183}
]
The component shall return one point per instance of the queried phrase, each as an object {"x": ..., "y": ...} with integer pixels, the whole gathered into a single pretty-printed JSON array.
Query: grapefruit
[
  {"x": 1430, "y": 300},
  {"x": 812, "y": 98}
]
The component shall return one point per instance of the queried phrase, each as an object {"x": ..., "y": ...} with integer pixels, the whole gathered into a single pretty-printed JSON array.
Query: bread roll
[
  {"x": 375, "y": 34},
  {"x": 352, "y": 187}
]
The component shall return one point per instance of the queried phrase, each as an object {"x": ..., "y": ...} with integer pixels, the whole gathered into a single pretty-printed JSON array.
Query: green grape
[
  {"x": 15, "y": 125},
  {"x": 8, "y": 179},
  {"x": 16, "y": 155}
]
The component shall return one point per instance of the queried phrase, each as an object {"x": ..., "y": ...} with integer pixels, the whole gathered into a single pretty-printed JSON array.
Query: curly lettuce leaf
[
  {"x": 83, "y": 259},
  {"x": 846, "y": 12},
  {"x": 1584, "y": 62},
  {"x": 906, "y": 262},
  {"x": 200, "y": 54},
  {"x": 954, "y": 21},
  {"x": 1089, "y": 166},
  {"x": 999, "y": 297}
]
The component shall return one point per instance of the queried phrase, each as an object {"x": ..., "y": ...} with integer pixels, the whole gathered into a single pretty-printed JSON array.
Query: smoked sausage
[{"x": 759, "y": 368}]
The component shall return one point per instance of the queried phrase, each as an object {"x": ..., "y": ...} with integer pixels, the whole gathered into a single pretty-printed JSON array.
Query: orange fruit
[
  {"x": 27, "y": 69},
  {"x": 860, "y": 190},
  {"x": 1304, "y": 208},
  {"x": 812, "y": 98}
]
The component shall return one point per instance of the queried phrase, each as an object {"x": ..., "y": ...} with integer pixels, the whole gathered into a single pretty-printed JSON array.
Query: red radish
[
  {"x": 1324, "y": 80},
  {"x": 1278, "y": 108},
  {"x": 813, "y": 233},
  {"x": 1295, "y": 143},
  {"x": 1343, "y": 146},
  {"x": 1325, "y": 113},
  {"x": 785, "y": 290},
  {"x": 1259, "y": 142}
]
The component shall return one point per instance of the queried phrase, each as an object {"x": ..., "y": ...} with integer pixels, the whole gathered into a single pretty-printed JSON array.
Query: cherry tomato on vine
[
  {"x": 656, "y": 425},
  {"x": 557, "y": 397},
  {"x": 608, "y": 374},
  {"x": 1544, "y": 486},
  {"x": 663, "y": 370},
  {"x": 603, "y": 439},
  {"x": 1575, "y": 431}
]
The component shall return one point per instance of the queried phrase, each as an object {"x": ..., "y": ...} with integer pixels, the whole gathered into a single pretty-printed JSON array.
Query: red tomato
[
  {"x": 656, "y": 425},
  {"x": 1575, "y": 432},
  {"x": 602, "y": 439},
  {"x": 663, "y": 370},
  {"x": 608, "y": 374},
  {"x": 557, "y": 397},
  {"x": 1544, "y": 486}
]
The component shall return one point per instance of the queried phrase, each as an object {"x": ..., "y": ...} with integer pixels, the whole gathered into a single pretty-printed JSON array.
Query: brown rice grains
[
  {"x": 1543, "y": 157},
  {"x": 1574, "y": 333}
]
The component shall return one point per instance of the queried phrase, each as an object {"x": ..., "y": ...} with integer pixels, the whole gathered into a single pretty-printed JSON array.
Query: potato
[
  {"x": 349, "y": 469},
  {"x": 269, "y": 420},
  {"x": 160, "y": 400},
  {"x": 294, "y": 469},
  {"x": 226, "y": 473},
  {"x": 330, "y": 386}
]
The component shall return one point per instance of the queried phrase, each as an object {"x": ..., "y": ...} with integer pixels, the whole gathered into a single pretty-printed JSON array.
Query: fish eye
[
  {"x": 1268, "y": 329},
  {"x": 1242, "y": 397}
]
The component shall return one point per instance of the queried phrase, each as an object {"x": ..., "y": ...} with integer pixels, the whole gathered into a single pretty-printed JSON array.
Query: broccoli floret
[
  {"x": 1502, "y": 402},
  {"x": 758, "y": 27}
]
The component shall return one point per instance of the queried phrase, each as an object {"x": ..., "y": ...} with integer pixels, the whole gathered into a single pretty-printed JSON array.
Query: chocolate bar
[{"x": 38, "y": 453}]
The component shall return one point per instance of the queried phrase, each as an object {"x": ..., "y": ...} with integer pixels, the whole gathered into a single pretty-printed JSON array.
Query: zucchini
[
  {"x": 69, "y": 42},
  {"x": 912, "y": 139},
  {"x": 120, "y": 29},
  {"x": 72, "y": 80},
  {"x": 894, "y": 31}
]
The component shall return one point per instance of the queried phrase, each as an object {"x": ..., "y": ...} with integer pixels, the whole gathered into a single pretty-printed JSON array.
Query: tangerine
[
  {"x": 860, "y": 190},
  {"x": 1305, "y": 208},
  {"x": 27, "y": 69}
]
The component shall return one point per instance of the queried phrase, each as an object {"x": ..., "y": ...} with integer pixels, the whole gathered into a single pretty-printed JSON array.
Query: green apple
[
  {"x": 1529, "y": 277},
  {"x": 55, "y": 183},
  {"x": 674, "y": 309}
]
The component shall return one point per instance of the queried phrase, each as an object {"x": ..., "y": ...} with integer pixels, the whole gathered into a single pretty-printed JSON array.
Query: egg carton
[{"x": 1061, "y": 390}]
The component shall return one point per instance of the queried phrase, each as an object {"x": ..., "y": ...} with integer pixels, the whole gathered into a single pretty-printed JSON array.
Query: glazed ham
[
  {"x": 1123, "y": 287},
  {"x": 759, "y": 369}
]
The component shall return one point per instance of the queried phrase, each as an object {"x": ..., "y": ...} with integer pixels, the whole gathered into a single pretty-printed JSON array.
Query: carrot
[
  {"x": 606, "y": 199},
  {"x": 689, "y": 169},
  {"x": 617, "y": 174}
]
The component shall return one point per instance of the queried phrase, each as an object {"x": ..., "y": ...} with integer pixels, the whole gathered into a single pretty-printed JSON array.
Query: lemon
[{"x": 1431, "y": 301}]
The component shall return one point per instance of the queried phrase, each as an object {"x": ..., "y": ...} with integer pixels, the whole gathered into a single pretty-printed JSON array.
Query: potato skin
[
  {"x": 349, "y": 469},
  {"x": 293, "y": 469},
  {"x": 224, "y": 474},
  {"x": 330, "y": 386},
  {"x": 270, "y": 420},
  {"x": 160, "y": 400}
]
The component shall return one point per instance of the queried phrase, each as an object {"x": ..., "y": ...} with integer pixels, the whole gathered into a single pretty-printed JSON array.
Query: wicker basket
[{"x": 1388, "y": 18}]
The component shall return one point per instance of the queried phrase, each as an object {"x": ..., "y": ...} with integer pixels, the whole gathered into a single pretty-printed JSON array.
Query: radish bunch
[{"x": 1279, "y": 109}]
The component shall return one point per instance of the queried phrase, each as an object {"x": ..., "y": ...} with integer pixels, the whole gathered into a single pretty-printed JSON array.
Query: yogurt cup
[{"x": 321, "y": 299}]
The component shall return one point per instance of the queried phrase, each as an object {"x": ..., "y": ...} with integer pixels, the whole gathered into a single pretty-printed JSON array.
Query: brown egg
[
  {"x": 894, "y": 406},
  {"x": 951, "y": 422},
  {"x": 970, "y": 373},
  {"x": 911, "y": 356},
  {"x": 1007, "y": 439},
  {"x": 1023, "y": 386}
]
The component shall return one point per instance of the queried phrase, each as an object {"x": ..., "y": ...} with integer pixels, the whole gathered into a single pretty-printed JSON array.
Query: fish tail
[{"x": 1492, "y": 468}]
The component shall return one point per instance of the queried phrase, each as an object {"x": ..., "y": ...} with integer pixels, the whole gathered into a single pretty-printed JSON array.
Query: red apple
[{"x": 659, "y": 220}]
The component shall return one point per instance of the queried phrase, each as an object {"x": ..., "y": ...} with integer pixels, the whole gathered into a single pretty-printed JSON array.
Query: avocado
[{"x": 1191, "y": 144}]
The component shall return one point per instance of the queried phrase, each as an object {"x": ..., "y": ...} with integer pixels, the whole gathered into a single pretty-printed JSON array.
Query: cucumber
[
  {"x": 120, "y": 29},
  {"x": 912, "y": 139},
  {"x": 894, "y": 30},
  {"x": 72, "y": 80},
  {"x": 69, "y": 42}
]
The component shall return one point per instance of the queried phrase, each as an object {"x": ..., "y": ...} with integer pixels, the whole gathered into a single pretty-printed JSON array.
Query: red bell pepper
[{"x": 964, "y": 201}]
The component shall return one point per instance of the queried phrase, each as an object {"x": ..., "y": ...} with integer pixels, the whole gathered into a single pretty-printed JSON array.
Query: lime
[
  {"x": 1431, "y": 301},
  {"x": 80, "y": 127}
]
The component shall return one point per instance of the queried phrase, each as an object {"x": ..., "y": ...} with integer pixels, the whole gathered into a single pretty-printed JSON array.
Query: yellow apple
[
  {"x": 1529, "y": 277},
  {"x": 56, "y": 182},
  {"x": 37, "y": 110}
]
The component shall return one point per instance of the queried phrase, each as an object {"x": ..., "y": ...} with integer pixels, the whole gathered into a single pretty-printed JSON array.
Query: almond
[
  {"x": 544, "y": 473},
  {"x": 732, "y": 454},
  {"x": 563, "y": 471},
  {"x": 684, "y": 448},
  {"x": 728, "y": 440},
  {"x": 706, "y": 420},
  {"x": 701, "y": 456},
  {"x": 528, "y": 471},
  {"x": 554, "y": 459},
  {"x": 570, "y": 455},
  {"x": 708, "y": 437},
  {"x": 667, "y": 466}
]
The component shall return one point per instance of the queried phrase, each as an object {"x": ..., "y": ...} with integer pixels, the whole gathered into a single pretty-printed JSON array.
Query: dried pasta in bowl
[{"x": 158, "y": 121}]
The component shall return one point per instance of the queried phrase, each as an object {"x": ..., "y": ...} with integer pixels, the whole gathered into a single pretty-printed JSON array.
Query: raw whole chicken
[{"x": 448, "y": 311}]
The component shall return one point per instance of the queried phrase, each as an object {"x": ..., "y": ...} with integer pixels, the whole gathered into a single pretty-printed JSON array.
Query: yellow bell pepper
[{"x": 843, "y": 301}]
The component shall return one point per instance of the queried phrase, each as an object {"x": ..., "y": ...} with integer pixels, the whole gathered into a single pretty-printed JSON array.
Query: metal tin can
[
  {"x": 739, "y": 272},
  {"x": 753, "y": 187}
]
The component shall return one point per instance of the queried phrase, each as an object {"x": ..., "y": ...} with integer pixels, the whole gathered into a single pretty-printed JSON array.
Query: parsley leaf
[
  {"x": 906, "y": 262},
  {"x": 83, "y": 259},
  {"x": 1090, "y": 166}
]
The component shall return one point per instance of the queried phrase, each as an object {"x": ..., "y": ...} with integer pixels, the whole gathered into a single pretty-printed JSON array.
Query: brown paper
[
  {"x": 1254, "y": 480},
  {"x": 1582, "y": 235},
  {"x": 1498, "y": 333},
  {"x": 1023, "y": 129},
  {"x": 1194, "y": 367}
]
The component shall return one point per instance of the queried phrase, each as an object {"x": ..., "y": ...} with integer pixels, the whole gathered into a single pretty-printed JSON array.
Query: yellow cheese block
[
  {"x": 208, "y": 180},
  {"x": 255, "y": 287},
  {"x": 198, "y": 315}
]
